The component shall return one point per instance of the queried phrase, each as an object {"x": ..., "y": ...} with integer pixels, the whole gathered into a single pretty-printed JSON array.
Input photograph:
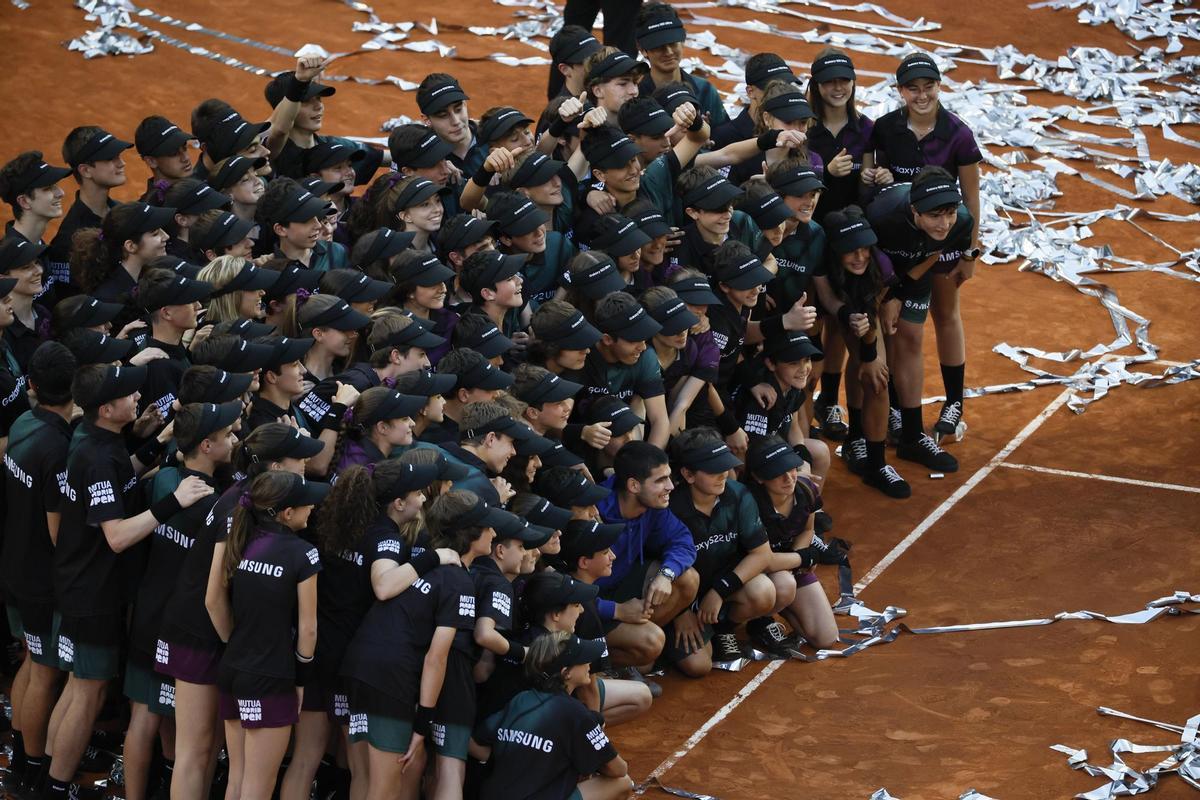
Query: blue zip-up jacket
[{"x": 655, "y": 535}]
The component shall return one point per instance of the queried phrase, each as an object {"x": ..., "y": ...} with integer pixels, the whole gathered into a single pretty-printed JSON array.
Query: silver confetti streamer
[{"x": 1123, "y": 780}]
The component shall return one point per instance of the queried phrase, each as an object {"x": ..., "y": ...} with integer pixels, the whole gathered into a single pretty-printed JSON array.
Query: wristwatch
[{"x": 668, "y": 573}]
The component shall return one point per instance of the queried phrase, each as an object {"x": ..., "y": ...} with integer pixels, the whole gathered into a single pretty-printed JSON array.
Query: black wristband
[
  {"x": 423, "y": 721},
  {"x": 333, "y": 420},
  {"x": 149, "y": 451},
  {"x": 305, "y": 670},
  {"x": 843, "y": 314},
  {"x": 727, "y": 584},
  {"x": 165, "y": 508},
  {"x": 868, "y": 352},
  {"x": 296, "y": 89},
  {"x": 516, "y": 651},
  {"x": 698, "y": 122},
  {"x": 767, "y": 140},
  {"x": 727, "y": 423},
  {"x": 558, "y": 127},
  {"x": 483, "y": 176},
  {"x": 425, "y": 561}
]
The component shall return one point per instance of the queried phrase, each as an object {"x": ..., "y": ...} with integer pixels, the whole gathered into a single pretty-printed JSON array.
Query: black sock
[
  {"x": 893, "y": 397},
  {"x": 341, "y": 789},
  {"x": 875, "y": 460},
  {"x": 326, "y": 776},
  {"x": 952, "y": 379},
  {"x": 856, "y": 430},
  {"x": 55, "y": 789},
  {"x": 911, "y": 425},
  {"x": 33, "y": 768},
  {"x": 164, "y": 781},
  {"x": 19, "y": 759},
  {"x": 831, "y": 382}
]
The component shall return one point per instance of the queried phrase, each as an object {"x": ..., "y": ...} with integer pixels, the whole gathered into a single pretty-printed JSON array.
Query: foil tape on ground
[
  {"x": 969, "y": 794},
  {"x": 655, "y": 783},
  {"x": 1124, "y": 780}
]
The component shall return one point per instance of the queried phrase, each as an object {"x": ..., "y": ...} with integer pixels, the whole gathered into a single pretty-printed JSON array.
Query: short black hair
[
  {"x": 51, "y": 370},
  {"x": 636, "y": 460}
]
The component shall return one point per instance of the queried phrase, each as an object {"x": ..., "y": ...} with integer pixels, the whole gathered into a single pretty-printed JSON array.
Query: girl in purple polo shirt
[{"x": 923, "y": 133}]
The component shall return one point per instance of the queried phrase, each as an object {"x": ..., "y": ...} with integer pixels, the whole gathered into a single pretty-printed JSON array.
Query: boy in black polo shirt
[
  {"x": 99, "y": 522},
  {"x": 478, "y": 381},
  {"x": 35, "y": 461},
  {"x": 171, "y": 301},
  {"x": 18, "y": 261},
  {"x": 163, "y": 146},
  {"x": 30, "y": 187},
  {"x": 487, "y": 441},
  {"x": 443, "y": 105},
  {"x": 495, "y": 283},
  {"x": 660, "y": 36}
]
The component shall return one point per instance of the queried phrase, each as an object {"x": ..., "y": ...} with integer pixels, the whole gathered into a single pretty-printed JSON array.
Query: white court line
[
  {"x": 758, "y": 680},
  {"x": 1066, "y": 473}
]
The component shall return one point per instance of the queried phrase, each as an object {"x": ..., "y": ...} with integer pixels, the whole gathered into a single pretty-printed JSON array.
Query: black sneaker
[
  {"x": 89, "y": 792},
  {"x": 888, "y": 481},
  {"x": 926, "y": 452},
  {"x": 822, "y": 522},
  {"x": 895, "y": 425},
  {"x": 725, "y": 647},
  {"x": 854, "y": 453},
  {"x": 833, "y": 422},
  {"x": 947, "y": 424},
  {"x": 634, "y": 674},
  {"x": 95, "y": 760},
  {"x": 769, "y": 636}
]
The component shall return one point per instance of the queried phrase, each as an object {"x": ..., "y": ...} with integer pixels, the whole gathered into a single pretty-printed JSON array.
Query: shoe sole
[{"x": 882, "y": 489}]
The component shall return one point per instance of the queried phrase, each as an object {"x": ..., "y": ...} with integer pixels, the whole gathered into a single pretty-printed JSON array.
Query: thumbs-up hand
[
  {"x": 841, "y": 164},
  {"x": 800, "y": 317}
]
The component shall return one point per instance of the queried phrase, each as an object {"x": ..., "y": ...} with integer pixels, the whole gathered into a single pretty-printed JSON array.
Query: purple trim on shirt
[{"x": 950, "y": 145}]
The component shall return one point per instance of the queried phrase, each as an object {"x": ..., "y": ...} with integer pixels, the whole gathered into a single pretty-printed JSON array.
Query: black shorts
[
  {"x": 40, "y": 625},
  {"x": 456, "y": 704}
]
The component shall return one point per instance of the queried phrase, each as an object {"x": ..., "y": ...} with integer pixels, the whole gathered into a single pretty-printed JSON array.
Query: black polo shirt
[
  {"x": 723, "y": 538},
  {"x": 493, "y": 593},
  {"x": 855, "y": 139},
  {"x": 907, "y": 245},
  {"x": 101, "y": 486},
  {"x": 78, "y": 217},
  {"x": 344, "y": 596},
  {"x": 950, "y": 144},
  {"x": 163, "y": 376},
  {"x": 758, "y": 421},
  {"x": 14, "y": 401}
]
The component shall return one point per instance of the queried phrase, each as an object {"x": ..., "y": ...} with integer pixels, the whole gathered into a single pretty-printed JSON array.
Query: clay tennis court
[{"x": 1051, "y": 510}]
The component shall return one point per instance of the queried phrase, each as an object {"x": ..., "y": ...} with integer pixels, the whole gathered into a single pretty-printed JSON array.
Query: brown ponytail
[{"x": 266, "y": 492}]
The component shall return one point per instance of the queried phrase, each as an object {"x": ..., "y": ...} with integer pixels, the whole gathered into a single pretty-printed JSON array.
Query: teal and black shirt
[{"x": 724, "y": 538}]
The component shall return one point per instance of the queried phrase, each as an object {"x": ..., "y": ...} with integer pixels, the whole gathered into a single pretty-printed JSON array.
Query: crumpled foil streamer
[
  {"x": 1123, "y": 780},
  {"x": 106, "y": 40},
  {"x": 657, "y": 784},
  {"x": 969, "y": 794},
  {"x": 875, "y": 627}
]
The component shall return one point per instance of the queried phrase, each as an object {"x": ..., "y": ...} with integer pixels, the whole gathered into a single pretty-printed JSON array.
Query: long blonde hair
[{"x": 219, "y": 272}]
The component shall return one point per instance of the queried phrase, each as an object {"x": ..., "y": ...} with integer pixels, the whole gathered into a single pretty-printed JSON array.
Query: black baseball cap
[
  {"x": 515, "y": 214},
  {"x": 353, "y": 286},
  {"x": 285, "y": 350},
  {"x": 319, "y": 187},
  {"x": 87, "y": 312},
  {"x": 330, "y": 152},
  {"x": 853, "y": 233},
  {"x": 91, "y": 347},
  {"x": 499, "y": 267},
  {"x": 176, "y": 264},
  {"x": 535, "y": 170},
  {"x": 300, "y": 205},
  {"x": 831, "y": 66},
  {"x": 674, "y": 317},
  {"x": 276, "y": 90},
  {"x": 714, "y": 194},
  {"x": 547, "y": 515},
  {"x": 425, "y": 383},
  {"x": 213, "y": 417},
  {"x": 660, "y": 25},
  {"x": 416, "y": 192},
  {"x": 606, "y": 147},
  {"x": 294, "y": 445},
  {"x": 303, "y": 492},
  {"x": 145, "y": 218},
  {"x": 180, "y": 291},
  {"x": 463, "y": 230},
  {"x": 249, "y": 278},
  {"x": 575, "y": 333},
  {"x": 793, "y": 346},
  {"x": 103, "y": 146},
  {"x": 767, "y": 211},
  {"x": 650, "y": 220},
  {"x": 422, "y": 270},
  {"x": 37, "y": 175},
  {"x": 429, "y": 151},
  {"x": 380, "y": 244},
  {"x": 572, "y": 45},
  {"x": 769, "y": 67},
  {"x": 245, "y": 357},
  {"x": 232, "y": 135},
  {"x": 393, "y": 406},
  {"x": 229, "y": 171},
  {"x": 158, "y": 136},
  {"x": 616, "y": 411},
  {"x": 225, "y": 387},
  {"x": 695, "y": 291},
  {"x": 225, "y": 231},
  {"x": 633, "y": 324},
  {"x": 742, "y": 273},
  {"x": 249, "y": 329},
  {"x": 915, "y": 67},
  {"x": 17, "y": 251},
  {"x": 119, "y": 381},
  {"x": 556, "y": 590},
  {"x": 616, "y": 65},
  {"x": 583, "y": 538},
  {"x": 506, "y": 425},
  {"x": 532, "y": 536},
  {"x": 483, "y": 516},
  {"x": 599, "y": 279},
  {"x": 617, "y": 235},
  {"x": 340, "y": 317},
  {"x": 500, "y": 124},
  {"x": 713, "y": 457},
  {"x": 559, "y": 456},
  {"x": 644, "y": 117},
  {"x": 771, "y": 462},
  {"x": 789, "y": 107},
  {"x": 484, "y": 338},
  {"x": 672, "y": 95},
  {"x": 550, "y": 389},
  {"x": 536, "y": 445},
  {"x": 436, "y": 95},
  {"x": 934, "y": 194},
  {"x": 414, "y": 335},
  {"x": 411, "y": 478},
  {"x": 579, "y": 651},
  {"x": 570, "y": 487},
  {"x": 447, "y": 470},
  {"x": 796, "y": 181},
  {"x": 482, "y": 375},
  {"x": 193, "y": 196},
  {"x": 293, "y": 278}
]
